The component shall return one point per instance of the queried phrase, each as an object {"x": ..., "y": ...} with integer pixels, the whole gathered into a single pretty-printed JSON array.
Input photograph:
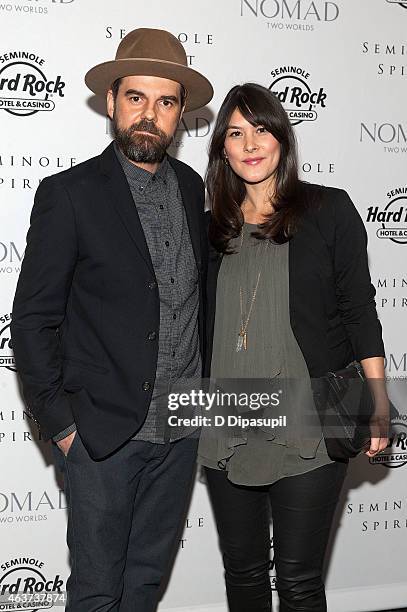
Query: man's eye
[
  {"x": 167, "y": 103},
  {"x": 135, "y": 98}
]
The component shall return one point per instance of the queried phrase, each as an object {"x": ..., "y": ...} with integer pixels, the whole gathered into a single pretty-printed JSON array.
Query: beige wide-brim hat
[{"x": 150, "y": 52}]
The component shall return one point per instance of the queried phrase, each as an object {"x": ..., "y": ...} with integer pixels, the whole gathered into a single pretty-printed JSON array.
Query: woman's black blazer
[{"x": 332, "y": 306}]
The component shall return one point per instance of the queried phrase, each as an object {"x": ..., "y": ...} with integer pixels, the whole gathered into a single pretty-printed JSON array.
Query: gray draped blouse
[{"x": 261, "y": 455}]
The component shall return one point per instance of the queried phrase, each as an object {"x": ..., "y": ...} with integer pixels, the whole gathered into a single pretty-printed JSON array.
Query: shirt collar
[{"x": 141, "y": 177}]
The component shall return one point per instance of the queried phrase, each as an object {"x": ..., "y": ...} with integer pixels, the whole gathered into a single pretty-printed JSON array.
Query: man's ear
[{"x": 110, "y": 103}]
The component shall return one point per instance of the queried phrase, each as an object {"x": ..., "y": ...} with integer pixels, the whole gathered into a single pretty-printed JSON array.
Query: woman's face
[{"x": 252, "y": 152}]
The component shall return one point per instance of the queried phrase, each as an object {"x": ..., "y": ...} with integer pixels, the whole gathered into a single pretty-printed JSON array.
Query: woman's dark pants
[{"x": 302, "y": 509}]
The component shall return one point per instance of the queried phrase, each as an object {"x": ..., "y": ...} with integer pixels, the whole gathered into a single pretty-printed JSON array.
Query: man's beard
[{"x": 140, "y": 147}]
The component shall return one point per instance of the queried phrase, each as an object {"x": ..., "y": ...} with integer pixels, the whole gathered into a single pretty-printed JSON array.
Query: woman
[{"x": 291, "y": 286}]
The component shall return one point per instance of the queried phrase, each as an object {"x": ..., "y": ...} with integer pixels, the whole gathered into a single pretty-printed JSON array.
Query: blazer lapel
[
  {"x": 120, "y": 195},
  {"x": 188, "y": 191}
]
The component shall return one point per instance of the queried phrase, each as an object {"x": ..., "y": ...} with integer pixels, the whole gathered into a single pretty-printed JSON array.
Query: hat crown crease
[{"x": 152, "y": 45}]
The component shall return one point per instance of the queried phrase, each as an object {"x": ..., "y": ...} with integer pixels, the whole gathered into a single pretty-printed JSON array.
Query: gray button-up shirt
[{"x": 159, "y": 205}]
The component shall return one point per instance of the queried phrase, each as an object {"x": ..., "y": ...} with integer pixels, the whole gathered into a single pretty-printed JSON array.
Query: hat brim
[{"x": 199, "y": 90}]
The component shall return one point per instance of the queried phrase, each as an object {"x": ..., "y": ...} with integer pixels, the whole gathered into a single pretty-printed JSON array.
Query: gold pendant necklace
[{"x": 242, "y": 335}]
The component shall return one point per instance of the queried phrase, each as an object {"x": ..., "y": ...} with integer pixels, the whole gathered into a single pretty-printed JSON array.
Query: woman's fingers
[{"x": 376, "y": 446}]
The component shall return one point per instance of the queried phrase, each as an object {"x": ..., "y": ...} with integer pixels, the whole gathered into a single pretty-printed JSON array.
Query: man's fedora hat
[{"x": 150, "y": 52}]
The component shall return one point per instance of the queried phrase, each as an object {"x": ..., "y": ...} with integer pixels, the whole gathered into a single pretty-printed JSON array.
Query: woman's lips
[{"x": 253, "y": 161}]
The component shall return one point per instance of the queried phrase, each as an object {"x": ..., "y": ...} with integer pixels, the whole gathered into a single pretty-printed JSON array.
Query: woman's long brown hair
[{"x": 227, "y": 190}]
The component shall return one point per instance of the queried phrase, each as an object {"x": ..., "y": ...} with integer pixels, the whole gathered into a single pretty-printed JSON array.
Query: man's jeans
[{"x": 124, "y": 523}]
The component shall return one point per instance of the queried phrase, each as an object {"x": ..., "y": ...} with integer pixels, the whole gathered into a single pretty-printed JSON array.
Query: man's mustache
[{"x": 146, "y": 126}]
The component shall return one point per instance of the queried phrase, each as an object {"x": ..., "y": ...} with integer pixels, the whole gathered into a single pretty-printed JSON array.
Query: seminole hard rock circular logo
[
  {"x": 24, "y": 86},
  {"x": 391, "y": 218},
  {"x": 293, "y": 88},
  {"x": 25, "y": 586},
  {"x": 6, "y": 349},
  {"x": 395, "y": 455}
]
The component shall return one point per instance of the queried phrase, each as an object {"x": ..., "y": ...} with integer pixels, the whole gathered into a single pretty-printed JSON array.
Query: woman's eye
[
  {"x": 261, "y": 129},
  {"x": 235, "y": 133}
]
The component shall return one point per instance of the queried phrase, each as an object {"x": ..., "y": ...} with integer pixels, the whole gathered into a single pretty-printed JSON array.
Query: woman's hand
[{"x": 376, "y": 446}]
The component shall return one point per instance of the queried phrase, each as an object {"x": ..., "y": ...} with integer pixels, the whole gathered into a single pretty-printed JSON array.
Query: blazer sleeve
[
  {"x": 39, "y": 306},
  {"x": 354, "y": 290}
]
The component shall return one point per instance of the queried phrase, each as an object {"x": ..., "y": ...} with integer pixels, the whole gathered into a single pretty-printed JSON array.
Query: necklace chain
[{"x": 242, "y": 335}]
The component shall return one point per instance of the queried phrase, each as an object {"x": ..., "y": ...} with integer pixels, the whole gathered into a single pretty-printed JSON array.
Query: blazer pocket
[{"x": 85, "y": 365}]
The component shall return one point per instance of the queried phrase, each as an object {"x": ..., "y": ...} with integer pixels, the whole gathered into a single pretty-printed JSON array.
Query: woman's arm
[
  {"x": 355, "y": 296},
  {"x": 373, "y": 368},
  {"x": 355, "y": 293}
]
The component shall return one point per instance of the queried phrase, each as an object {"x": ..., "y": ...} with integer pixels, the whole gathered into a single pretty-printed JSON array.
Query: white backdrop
[{"x": 353, "y": 55}]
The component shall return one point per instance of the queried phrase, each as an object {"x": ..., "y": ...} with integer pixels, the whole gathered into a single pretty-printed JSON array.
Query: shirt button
[
  {"x": 152, "y": 336},
  {"x": 152, "y": 285},
  {"x": 153, "y": 178},
  {"x": 173, "y": 353},
  {"x": 146, "y": 386},
  {"x": 174, "y": 316},
  {"x": 172, "y": 280},
  {"x": 167, "y": 243},
  {"x": 161, "y": 207}
]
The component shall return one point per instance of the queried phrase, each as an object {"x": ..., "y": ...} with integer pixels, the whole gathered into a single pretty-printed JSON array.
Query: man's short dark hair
[{"x": 116, "y": 85}]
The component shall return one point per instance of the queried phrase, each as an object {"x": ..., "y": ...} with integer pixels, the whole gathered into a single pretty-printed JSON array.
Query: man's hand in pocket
[{"x": 65, "y": 443}]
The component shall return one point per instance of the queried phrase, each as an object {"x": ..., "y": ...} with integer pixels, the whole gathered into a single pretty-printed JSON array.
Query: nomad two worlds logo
[
  {"x": 24, "y": 88},
  {"x": 297, "y": 14},
  {"x": 31, "y": 6}
]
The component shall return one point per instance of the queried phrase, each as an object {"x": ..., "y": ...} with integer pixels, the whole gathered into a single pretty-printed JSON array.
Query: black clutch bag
[{"x": 345, "y": 408}]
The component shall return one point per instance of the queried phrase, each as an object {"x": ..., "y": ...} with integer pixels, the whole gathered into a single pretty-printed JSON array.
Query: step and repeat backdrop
[{"x": 340, "y": 69}]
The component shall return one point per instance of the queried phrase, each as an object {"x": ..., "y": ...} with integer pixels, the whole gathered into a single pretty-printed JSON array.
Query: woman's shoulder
[
  {"x": 328, "y": 203},
  {"x": 318, "y": 195},
  {"x": 333, "y": 212}
]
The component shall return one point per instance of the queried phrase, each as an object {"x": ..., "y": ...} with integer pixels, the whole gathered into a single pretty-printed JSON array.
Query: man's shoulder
[
  {"x": 86, "y": 171},
  {"x": 83, "y": 171},
  {"x": 185, "y": 171}
]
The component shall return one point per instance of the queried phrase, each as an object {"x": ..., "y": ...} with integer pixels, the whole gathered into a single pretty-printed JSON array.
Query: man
[{"x": 107, "y": 313}]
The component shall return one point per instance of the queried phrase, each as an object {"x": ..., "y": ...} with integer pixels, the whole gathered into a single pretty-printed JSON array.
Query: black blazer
[
  {"x": 332, "y": 308},
  {"x": 87, "y": 299}
]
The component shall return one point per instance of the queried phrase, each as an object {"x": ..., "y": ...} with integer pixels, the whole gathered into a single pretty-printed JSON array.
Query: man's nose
[{"x": 150, "y": 112}]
